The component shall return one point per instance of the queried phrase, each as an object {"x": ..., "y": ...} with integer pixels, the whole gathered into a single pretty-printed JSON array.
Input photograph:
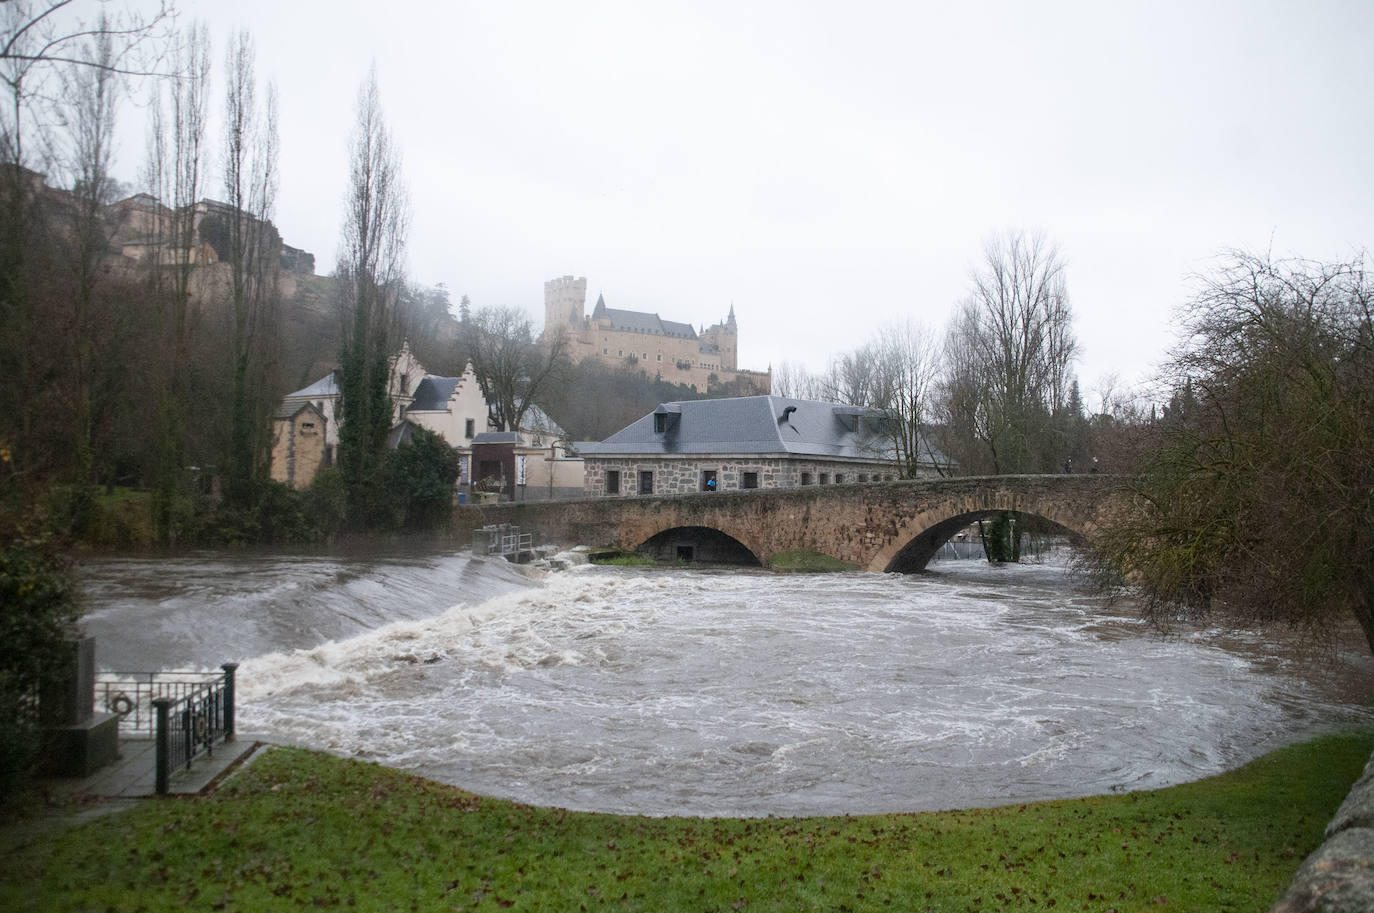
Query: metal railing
[
  {"x": 185, "y": 712},
  {"x": 509, "y": 544}
]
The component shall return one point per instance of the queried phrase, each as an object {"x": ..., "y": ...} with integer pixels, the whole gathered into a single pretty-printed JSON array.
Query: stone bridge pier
[{"x": 884, "y": 526}]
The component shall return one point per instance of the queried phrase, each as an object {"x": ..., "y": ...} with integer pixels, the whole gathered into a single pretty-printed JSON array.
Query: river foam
[{"x": 668, "y": 691}]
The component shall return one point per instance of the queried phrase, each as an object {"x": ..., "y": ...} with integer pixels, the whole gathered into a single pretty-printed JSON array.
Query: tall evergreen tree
[
  {"x": 250, "y": 184},
  {"x": 371, "y": 277}
]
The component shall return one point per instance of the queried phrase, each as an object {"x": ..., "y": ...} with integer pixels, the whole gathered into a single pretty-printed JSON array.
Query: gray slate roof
[
  {"x": 325, "y": 386},
  {"x": 497, "y": 437},
  {"x": 433, "y": 392},
  {"x": 640, "y": 322},
  {"x": 752, "y": 425}
]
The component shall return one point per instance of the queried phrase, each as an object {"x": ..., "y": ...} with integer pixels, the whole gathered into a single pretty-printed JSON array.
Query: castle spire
[{"x": 731, "y": 318}]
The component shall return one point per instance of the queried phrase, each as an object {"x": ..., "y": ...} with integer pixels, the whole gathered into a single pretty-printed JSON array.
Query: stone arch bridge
[{"x": 887, "y": 526}]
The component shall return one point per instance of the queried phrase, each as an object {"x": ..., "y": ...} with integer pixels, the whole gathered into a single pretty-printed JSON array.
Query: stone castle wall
[{"x": 676, "y": 359}]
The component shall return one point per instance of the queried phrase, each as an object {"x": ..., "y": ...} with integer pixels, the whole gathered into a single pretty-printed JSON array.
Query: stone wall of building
[
  {"x": 684, "y": 475},
  {"x": 298, "y": 448}
]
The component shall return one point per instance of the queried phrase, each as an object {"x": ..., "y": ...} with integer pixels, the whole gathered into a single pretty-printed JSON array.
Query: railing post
[
  {"x": 187, "y": 737},
  {"x": 162, "y": 707},
  {"x": 229, "y": 700}
]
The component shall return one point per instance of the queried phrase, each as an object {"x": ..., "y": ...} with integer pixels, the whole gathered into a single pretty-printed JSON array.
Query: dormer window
[{"x": 666, "y": 417}]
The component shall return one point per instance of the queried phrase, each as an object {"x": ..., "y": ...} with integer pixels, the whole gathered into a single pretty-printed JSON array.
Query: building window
[
  {"x": 825, "y": 478},
  {"x": 660, "y": 356},
  {"x": 469, "y": 428},
  {"x": 660, "y": 423},
  {"x": 806, "y": 478},
  {"x": 839, "y": 478},
  {"x": 307, "y": 427},
  {"x": 708, "y": 480},
  {"x": 613, "y": 481},
  {"x": 749, "y": 480},
  {"x": 646, "y": 482},
  {"x": 863, "y": 477}
]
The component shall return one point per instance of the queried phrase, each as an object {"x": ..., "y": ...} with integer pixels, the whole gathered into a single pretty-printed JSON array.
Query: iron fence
[
  {"x": 130, "y": 696},
  {"x": 185, "y": 712}
]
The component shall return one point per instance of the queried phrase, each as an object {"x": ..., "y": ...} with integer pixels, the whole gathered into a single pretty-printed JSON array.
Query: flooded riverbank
[{"x": 682, "y": 691}]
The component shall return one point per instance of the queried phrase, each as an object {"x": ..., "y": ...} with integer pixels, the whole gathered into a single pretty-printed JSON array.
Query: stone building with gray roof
[{"x": 744, "y": 443}]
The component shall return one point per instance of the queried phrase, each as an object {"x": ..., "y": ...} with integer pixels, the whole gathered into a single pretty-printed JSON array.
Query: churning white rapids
[{"x": 700, "y": 692}]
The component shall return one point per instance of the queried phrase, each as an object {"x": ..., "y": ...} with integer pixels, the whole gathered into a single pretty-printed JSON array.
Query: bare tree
[
  {"x": 44, "y": 48},
  {"x": 792, "y": 380},
  {"x": 513, "y": 370},
  {"x": 250, "y": 187},
  {"x": 905, "y": 367},
  {"x": 371, "y": 277},
  {"x": 1009, "y": 355},
  {"x": 1255, "y": 497},
  {"x": 850, "y": 377},
  {"x": 174, "y": 174},
  {"x": 41, "y": 40},
  {"x": 89, "y": 102}
]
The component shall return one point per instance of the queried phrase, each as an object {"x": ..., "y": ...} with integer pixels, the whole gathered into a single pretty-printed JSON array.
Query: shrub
[
  {"x": 422, "y": 472},
  {"x": 281, "y": 516},
  {"x": 38, "y": 613},
  {"x": 325, "y": 504}
]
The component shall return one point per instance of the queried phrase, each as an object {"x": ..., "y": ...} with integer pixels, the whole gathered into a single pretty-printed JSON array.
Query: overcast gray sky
[{"x": 829, "y": 167}]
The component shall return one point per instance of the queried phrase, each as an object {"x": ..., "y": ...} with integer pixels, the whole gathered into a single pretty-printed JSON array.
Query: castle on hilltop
[{"x": 705, "y": 360}]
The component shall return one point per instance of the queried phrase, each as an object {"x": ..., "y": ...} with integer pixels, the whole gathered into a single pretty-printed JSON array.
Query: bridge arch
[
  {"x": 920, "y": 536},
  {"x": 865, "y": 525},
  {"x": 698, "y": 543}
]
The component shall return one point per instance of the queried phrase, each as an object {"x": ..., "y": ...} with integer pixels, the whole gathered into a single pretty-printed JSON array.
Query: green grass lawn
[{"x": 298, "y": 829}]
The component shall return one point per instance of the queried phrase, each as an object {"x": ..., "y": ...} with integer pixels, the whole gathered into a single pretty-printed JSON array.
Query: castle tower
[
  {"x": 725, "y": 336},
  {"x": 729, "y": 343},
  {"x": 565, "y": 303}
]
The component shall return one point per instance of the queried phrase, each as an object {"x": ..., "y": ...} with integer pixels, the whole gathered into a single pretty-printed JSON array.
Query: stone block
[
  {"x": 81, "y": 749},
  {"x": 70, "y": 699},
  {"x": 1358, "y": 808},
  {"x": 1337, "y": 878}
]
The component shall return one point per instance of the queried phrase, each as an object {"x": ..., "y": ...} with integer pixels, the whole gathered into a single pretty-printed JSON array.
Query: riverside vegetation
[{"x": 299, "y": 828}]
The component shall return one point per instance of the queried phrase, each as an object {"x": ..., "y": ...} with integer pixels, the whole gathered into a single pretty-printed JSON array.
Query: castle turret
[
  {"x": 565, "y": 303},
  {"x": 725, "y": 337}
]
